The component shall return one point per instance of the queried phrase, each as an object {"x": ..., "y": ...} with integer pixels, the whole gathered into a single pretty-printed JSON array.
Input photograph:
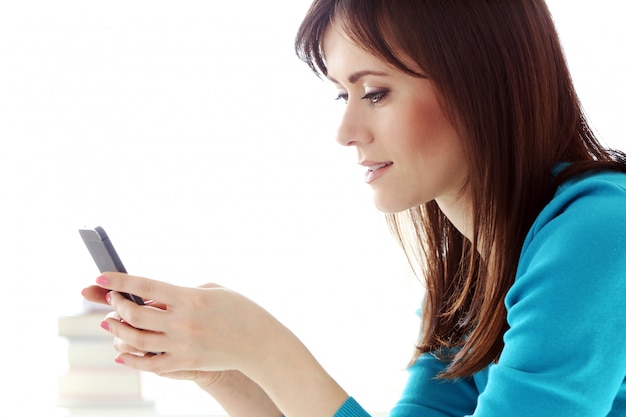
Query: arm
[
  {"x": 237, "y": 394},
  {"x": 565, "y": 351}
]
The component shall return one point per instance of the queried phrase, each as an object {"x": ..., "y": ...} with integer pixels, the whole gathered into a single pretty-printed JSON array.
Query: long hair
[{"x": 506, "y": 87}]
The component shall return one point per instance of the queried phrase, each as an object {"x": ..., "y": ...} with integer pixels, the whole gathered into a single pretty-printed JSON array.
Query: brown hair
[{"x": 504, "y": 79}]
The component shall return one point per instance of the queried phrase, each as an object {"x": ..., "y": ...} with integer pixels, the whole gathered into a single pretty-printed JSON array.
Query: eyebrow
[{"x": 353, "y": 78}]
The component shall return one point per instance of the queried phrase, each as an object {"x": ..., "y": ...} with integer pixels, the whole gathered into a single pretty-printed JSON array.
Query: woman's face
[{"x": 408, "y": 147}]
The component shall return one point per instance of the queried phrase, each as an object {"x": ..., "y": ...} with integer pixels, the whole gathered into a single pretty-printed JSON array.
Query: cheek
[
  {"x": 431, "y": 147},
  {"x": 426, "y": 132}
]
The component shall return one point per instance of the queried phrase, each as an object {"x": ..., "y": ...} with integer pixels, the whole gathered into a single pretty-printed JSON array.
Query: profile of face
[{"x": 406, "y": 143}]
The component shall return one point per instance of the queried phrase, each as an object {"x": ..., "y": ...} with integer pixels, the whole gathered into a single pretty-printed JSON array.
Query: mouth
[
  {"x": 376, "y": 167},
  {"x": 376, "y": 171}
]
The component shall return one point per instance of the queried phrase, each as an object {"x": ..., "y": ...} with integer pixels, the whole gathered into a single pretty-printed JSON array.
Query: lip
[{"x": 375, "y": 169}]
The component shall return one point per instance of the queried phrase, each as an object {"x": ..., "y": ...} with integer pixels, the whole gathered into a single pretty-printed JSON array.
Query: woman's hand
[
  {"x": 236, "y": 393},
  {"x": 212, "y": 334},
  {"x": 209, "y": 328}
]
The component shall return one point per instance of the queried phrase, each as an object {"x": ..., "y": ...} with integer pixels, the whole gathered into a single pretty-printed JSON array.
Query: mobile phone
[{"x": 104, "y": 254}]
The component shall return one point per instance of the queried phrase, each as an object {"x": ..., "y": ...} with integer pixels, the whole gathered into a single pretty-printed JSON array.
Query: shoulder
[
  {"x": 579, "y": 236},
  {"x": 593, "y": 203},
  {"x": 603, "y": 184}
]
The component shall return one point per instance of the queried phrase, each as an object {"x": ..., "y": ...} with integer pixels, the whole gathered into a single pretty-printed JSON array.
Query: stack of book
[{"x": 92, "y": 378}]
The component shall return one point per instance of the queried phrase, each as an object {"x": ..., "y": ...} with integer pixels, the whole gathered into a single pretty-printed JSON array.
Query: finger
[
  {"x": 140, "y": 317},
  {"x": 122, "y": 347},
  {"x": 155, "y": 304},
  {"x": 95, "y": 294},
  {"x": 113, "y": 315},
  {"x": 133, "y": 339},
  {"x": 145, "y": 288},
  {"x": 180, "y": 375},
  {"x": 210, "y": 285},
  {"x": 159, "y": 364}
]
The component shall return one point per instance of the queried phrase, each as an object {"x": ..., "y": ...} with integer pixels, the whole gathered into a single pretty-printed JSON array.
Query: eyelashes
[
  {"x": 342, "y": 97},
  {"x": 374, "y": 97}
]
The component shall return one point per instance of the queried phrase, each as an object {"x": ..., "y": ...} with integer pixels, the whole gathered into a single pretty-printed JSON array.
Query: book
[
  {"x": 83, "y": 325},
  {"x": 93, "y": 379},
  {"x": 97, "y": 385},
  {"x": 91, "y": 353}
]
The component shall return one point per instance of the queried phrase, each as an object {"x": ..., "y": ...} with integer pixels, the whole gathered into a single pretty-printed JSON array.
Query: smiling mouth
[
  {"x": 375, "y": 171},
  {"x": 379, "y": 166}
]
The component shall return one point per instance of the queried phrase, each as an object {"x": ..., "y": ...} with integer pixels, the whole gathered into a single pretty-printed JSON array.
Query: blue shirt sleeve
[
  {"x": 426, "y": 396},
  {"x": 351, "y": 408},
  {"x": 565, "y": 351}
]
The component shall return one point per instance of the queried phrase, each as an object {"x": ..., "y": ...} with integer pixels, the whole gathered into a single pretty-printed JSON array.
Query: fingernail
[
  {"x": 102, "y": 280},
  {"x": 120, "y": 361},
  {"x": 108, "y": 297},
  {"x": 105, "y": 325}
]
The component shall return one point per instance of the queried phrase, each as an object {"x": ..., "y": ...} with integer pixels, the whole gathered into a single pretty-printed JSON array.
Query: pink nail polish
[
  {"x": 108, "y": 297},
  {"x": 105, "y": 325},
  {"x": 102, "y": 280},
  {"x": 120, "y": 361}
]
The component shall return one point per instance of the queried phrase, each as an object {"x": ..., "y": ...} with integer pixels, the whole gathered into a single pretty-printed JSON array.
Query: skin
[{"x": 230, "y": 346}]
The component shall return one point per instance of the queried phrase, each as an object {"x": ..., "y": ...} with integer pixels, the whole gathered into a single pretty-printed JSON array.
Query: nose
[{"x": 353, "y": 127}]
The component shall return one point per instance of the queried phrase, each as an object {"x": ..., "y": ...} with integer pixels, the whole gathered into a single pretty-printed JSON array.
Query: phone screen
[{"x": 104, "y": 255}]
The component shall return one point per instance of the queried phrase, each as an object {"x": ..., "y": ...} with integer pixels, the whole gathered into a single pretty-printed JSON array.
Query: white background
[{"x": 193, "y": 134}]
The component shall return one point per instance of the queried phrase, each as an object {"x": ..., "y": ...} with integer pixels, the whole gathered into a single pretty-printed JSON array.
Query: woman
[{"x": 465, "y": 119}]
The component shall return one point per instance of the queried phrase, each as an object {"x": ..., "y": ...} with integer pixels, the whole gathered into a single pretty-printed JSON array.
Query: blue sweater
[{"x": 565, "y": 352}]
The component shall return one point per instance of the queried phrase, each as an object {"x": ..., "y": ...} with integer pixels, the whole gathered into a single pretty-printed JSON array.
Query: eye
[
  {"x": 342, "y": 97},
  {"x": 375, "y": 97}
]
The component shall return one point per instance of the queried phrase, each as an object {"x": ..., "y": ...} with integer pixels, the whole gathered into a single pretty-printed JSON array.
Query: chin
[{"x": 391, "y": 207}]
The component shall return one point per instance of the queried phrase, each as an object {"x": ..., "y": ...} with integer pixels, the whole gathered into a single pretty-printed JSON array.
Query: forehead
[
  {"x": 342, "y": 42},
  {"x": 344, "y": 57},
  {"x": 342, "y": 53}
]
